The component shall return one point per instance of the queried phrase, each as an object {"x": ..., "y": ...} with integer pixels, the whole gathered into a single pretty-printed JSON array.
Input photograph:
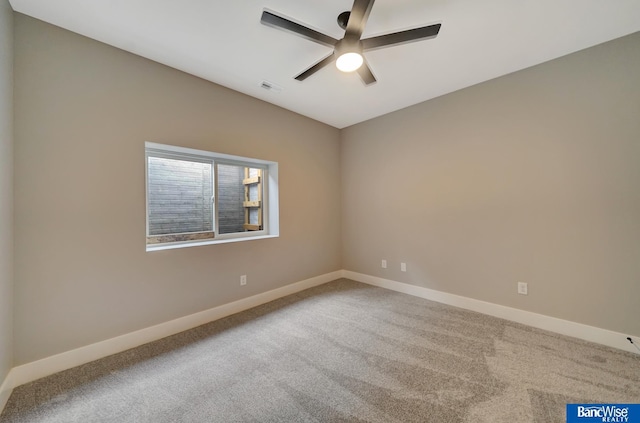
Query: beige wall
[
  {"x": 6, "y": 189},
  {"x": 531, "y": 177},
  {"x": 83, "y": 112}
]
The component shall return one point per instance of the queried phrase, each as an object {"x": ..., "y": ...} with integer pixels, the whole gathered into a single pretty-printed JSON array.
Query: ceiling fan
[{"x": 348, "y": 52}]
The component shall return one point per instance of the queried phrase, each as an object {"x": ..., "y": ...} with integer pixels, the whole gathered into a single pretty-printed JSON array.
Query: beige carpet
[{"x": 341, "y": 352}]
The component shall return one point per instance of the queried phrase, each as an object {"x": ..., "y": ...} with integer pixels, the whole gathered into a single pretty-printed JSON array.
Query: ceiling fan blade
[
  {"x": 401, "y": 37},
  {"x": 358, "y": 18},
  {"x": 315, "y": 68},
  {"x": 271, "y": 19},
  {"x": 365, "y": 74}
]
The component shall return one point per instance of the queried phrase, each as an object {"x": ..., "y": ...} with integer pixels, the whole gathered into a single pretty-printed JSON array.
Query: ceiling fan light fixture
[{"x": 349, "y": 61}]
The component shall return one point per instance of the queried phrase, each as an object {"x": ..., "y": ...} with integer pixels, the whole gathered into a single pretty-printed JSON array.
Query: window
[{"x": 198, "y": 197}]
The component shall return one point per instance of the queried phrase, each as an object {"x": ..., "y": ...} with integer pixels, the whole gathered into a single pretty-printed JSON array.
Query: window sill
[{"x": 159, "y": 247}]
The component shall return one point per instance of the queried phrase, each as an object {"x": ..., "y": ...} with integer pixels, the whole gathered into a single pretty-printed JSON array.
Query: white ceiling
[{"x": 224, "y": 42}]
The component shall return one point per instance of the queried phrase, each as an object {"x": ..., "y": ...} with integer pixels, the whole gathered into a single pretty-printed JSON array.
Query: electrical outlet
[
  {"x": 403, "y": 267},
  {"x": 384, "y": 264},
  {"x": 522, "y": 288},
  {"x": 243, "y": 280}
]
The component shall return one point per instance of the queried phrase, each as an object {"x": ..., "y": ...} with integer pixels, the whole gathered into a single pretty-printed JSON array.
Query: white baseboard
[
  {"x": 564, "y": 327},
  {"x": 66, "y": 360},
  {"x": 5, "y": 389}
]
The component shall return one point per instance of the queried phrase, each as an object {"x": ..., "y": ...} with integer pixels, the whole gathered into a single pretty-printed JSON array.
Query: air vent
[{"x": 271, "y": 86}]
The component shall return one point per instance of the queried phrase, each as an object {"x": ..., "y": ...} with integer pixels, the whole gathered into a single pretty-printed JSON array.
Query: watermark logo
[{"x": 603, "y": 413}]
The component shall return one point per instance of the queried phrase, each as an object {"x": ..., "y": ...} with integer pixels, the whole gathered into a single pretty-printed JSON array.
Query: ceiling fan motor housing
[{"x": 348, "y": 46}]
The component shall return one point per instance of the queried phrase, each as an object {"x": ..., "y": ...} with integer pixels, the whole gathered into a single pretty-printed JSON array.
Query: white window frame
[{"x": 270, "y": 207}]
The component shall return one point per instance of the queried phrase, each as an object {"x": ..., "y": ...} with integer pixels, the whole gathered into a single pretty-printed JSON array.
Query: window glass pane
[
  {"x": 179, "y": 196},
  {"x": 239, "y": 199}
]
